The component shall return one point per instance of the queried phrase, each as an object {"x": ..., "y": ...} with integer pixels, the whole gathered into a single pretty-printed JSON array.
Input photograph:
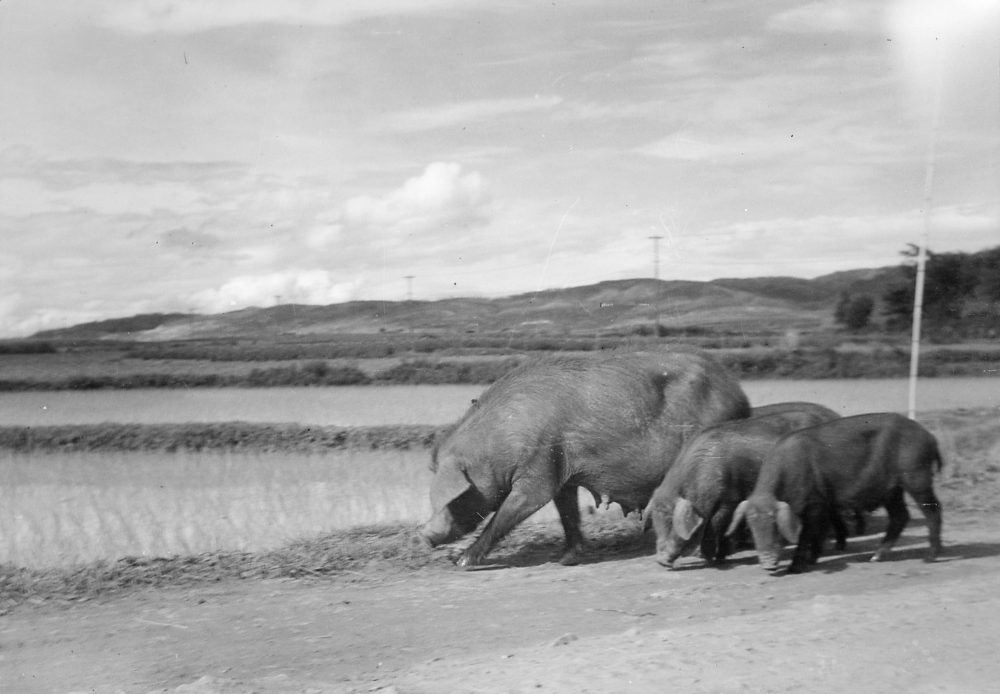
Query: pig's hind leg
[
  {"x": 931, "y": 508},
  {"x": 899, "y": 516},
  {"x": 568, "y": 504}
]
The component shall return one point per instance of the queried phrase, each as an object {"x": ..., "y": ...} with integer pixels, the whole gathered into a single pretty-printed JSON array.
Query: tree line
[{"x": 961, "y": 296}]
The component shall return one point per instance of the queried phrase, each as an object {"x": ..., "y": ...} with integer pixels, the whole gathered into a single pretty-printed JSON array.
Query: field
[
  {"x": 62, "y": 510},
  {"x": 432, "y": 359}
]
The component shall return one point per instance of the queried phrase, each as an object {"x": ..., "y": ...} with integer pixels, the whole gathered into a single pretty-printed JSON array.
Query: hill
[{"x": 743, "y": 305}]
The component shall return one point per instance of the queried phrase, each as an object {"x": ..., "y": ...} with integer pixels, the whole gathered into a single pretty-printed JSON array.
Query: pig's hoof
[
  {"x": 571, "y": 557},
  {"x": 665, "y": 561},
  {"x": 466, "y": 561}
]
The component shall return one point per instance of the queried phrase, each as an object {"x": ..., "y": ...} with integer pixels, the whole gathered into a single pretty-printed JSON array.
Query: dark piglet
[
  {"x": 861, "y": 462},
  {"x": 716, "y": 471},
  {"x": 610, "y": 424}
]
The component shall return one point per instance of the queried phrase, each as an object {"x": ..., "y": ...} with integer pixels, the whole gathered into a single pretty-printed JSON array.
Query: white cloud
[
  {"x": 9, "y": 304},
  {"x": 830, "y": 16},
  {"x": 23, "y": 196},
  {"x": 441, "y": 196},
  {"x": 184, "y": 16},
  {"x": 693, "y": 146},
  {"x": 451, "y": 115},
  {"x": 812, "y": 246},
  {"x": 294, "y": 287},
  {"x": 18, "y": 318}
]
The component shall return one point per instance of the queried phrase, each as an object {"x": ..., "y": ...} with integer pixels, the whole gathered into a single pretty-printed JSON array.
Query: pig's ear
[
  {"x": 686, "y": 519},
  {"x": 448, "y": 484},
  {"x": 788, "y": 523},
  {"x": 738, "y": 515}
]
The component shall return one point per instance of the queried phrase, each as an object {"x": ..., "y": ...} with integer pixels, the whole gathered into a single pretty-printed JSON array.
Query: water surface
[{"x": 370, "y": 405}]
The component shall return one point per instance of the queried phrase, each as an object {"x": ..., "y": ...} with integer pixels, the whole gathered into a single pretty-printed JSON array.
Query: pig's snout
[
  {"x": 441, "y": 529},
  {"x": 427, "y": 539},
  {"x": 432, "y": 537}
]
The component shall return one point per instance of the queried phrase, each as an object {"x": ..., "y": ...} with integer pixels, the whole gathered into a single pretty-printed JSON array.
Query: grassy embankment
[
  {"x": 441, "y": 361},
  {"x": 222, "y": 437},
  {"x": 269, "y": 500}
]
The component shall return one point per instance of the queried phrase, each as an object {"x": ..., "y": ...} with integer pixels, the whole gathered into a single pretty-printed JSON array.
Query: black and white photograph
[{"x": 420, "y": 346}]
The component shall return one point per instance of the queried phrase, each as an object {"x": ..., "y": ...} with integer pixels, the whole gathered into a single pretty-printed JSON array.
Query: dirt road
[{"x": 616, "y": 624}]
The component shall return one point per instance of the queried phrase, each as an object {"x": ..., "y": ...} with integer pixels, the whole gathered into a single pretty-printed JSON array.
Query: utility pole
[
  {"x": 918, "y": 293},
  {"x": 409, "y": 286},
  {"x": 276, "y": 320},
  {"x": 656, "y": 276},
  {"x": 656, "y": 256}
]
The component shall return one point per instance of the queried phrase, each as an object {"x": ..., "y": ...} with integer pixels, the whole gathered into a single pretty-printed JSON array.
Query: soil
[{"x": 618, "y": 622}]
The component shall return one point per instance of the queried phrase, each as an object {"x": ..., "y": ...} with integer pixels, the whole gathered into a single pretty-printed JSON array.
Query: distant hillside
[
  {"x": 750, "y": 305},
  {"x": 122, "y": 327}
]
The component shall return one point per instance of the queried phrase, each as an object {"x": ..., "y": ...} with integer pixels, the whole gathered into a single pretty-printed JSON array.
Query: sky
[{"x": 209, "y": 155}]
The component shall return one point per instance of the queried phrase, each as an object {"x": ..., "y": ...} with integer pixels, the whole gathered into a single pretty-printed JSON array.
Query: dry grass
[{"x": 969, "y": 441}]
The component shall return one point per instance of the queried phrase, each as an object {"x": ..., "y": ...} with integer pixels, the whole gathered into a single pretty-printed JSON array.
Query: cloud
[
  {"x": 92, "y": 238},
  {"x": 35, "y": 184},
  {"x": 189, "y": 16},
  {"x": 185, "y": 238},
  {"x": 31, "y": 196},
  {"x": 293, "y": 287},
  {"x": 457, "y": 114},
  {"x": 812, "y": 246},
  {"x": 837, "y": 16},
  {"x": 689, "y": 145},
  {"x": 63, "y": 173},
  {"x": 442, "y": 196},
  {"x": 9, "y": 315}
]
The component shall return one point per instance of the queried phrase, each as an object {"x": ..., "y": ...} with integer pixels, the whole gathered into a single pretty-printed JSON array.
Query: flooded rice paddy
[
  {"x": 64, "y": 509},
  {"x": 371, "y": 405}
]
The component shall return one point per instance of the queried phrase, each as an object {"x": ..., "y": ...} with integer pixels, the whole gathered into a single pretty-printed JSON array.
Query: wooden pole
[{"x": 918, "y": 294}]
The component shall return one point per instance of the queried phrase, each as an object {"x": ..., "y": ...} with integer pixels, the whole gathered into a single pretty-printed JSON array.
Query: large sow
[
  {"x": 610, "y": 424},
  {"x": 716, "y": 471},
  {"x": 860, "y": 462}
]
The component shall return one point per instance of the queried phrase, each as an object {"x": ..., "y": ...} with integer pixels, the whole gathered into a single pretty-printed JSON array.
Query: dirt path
[{"x": 620, "y": 624}]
